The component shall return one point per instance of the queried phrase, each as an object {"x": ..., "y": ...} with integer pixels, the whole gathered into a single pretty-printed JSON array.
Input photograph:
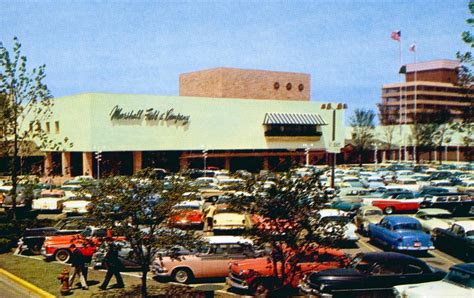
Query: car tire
[
  {"x": 36, "y": 249},
  {"x": 182, "y": 275},
  {"x": 388, "y": 210},
  {"x": 62, "y": 255},
  {"x": 260, "y": 289}
]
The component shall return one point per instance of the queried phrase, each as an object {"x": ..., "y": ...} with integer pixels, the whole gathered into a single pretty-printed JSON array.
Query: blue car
[{"x": 400, "y": 233}]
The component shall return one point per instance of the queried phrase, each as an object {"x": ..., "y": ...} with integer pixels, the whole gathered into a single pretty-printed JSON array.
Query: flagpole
[
  {"x": 415, "y": 120},
  {"x": 401, "y": 97}
]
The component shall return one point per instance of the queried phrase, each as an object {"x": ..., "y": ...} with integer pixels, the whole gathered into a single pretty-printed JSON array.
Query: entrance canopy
[{"x": 293, "y": 119}]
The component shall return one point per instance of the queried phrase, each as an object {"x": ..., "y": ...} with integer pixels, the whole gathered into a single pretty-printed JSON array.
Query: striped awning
[{"x": 293, "y": 119}]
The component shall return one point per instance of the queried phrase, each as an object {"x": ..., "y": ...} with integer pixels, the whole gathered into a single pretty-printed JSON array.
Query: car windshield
[
  {"x": 187, "y": 207},
  {"x": 470, "y": 234},
  {"x": 52, "y": 195},
  {"x": 407, "y": 226},
  {"x": 373, "y": 212},
  {"x": 461, "y": 278}
]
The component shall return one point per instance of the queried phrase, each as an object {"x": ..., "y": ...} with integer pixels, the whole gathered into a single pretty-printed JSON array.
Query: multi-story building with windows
[{"x": 430, "y": 87}]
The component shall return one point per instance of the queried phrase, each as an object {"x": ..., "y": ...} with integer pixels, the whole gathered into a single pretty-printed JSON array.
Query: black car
[
  {"x": 458, "y": 239},
  {"x": 370, "y": 273},
  {"x": 459, "y": 204},
  {"x": 33, "y": 239}
]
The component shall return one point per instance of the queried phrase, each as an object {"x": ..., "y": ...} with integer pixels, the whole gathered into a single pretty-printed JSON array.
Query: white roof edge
[{"x": 432, "y": 65}]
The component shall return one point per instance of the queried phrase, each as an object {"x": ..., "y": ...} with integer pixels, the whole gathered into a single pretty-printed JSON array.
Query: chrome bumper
[{"x": 236, "y": 283}]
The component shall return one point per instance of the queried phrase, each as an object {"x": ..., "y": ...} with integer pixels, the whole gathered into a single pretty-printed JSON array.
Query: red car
[
  {"x": 257, "y": 275},
  {"x": 58, "y": 246},
  {"x": 390, "y": 206},
  {"x": 188, "y": 214}
]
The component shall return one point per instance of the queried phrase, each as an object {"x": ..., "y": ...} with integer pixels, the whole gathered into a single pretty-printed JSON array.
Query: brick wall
[{"x": 242, "y": 83}]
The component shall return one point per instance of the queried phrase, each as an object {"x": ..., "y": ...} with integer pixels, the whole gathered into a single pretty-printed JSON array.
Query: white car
[
  {"x": 76, "y": 205},
  {"x": 70, "y": 190},
  {"x": 329, "y": 224},
  {"x": 408, "y": 184},
  {"x": 49, "y": 200},
  {"x": 459, "y": 282},
  {"x": 431, "y": 218},
  {"x": 226, "y": 220}
]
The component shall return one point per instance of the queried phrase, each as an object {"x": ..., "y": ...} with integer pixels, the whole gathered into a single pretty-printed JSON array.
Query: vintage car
[
  {"x": 127, "y": 256},
  {"x": 257, "y": 275},
  {"x": 187, "y": 214},
  {"x": 400, "y": 233},
  {"x": 32, "y": 239},
  {"x": 57, "y": 247},
  {"x": 409, "y": 184},
  {"x": 431, "y": 218},
  {"x": 347, "y": 206},
  {"x": 458, "y": 204},
  {"x": 49, "y": 200},
  {"x": 365, "y": 216},
  {"x": 212, "y": 260},
  {"x": 370, "y": 273},
  {"x": 398, "y": 202},
  {"x": 225, "y": 220},
  {"x": 77, "y": 205},
  {"x": 329, "y": 225},
  {"x": 467, "y": 186},
  {"x": 459, "y": 282},
  {"x": 458, "y": 239},
  {"x": 71, "y": 190}
]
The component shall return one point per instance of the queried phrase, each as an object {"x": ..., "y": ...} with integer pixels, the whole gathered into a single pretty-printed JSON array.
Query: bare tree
[{"x": 362, "y": 123}]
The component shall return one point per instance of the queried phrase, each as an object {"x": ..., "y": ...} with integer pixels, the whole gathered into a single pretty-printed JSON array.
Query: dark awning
[{"x": 293, "y": 119}]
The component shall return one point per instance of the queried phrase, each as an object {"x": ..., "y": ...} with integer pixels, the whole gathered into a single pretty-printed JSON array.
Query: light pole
[
  {"x": 333, "y": 148},
  {"x": 204, "y": 156},
  {"x": 306, "y": 152},
  {"x": 98, "y": 157},
  {"x": 375, "y": 156}
]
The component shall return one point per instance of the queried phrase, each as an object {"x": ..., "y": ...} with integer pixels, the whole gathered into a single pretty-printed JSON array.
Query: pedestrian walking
[
  {"x": 113, "y": 264},
  {"x": 78, "y": 263},
  {"x": 209, "y": 211}
]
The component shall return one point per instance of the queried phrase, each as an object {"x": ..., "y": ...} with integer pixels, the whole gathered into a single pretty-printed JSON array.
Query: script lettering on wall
[{"x": 150, "y": 114}]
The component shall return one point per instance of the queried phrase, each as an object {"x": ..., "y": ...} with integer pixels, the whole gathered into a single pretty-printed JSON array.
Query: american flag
[{"x": 396, "y": 35}]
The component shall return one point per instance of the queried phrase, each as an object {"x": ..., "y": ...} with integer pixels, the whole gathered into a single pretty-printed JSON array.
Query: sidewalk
[{"x": 12, "y": 286}]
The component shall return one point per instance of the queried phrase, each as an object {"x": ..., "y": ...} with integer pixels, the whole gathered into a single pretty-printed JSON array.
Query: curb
[{"x": 24, "y": 283}]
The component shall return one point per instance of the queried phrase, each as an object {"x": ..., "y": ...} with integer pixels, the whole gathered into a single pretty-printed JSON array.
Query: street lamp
[
  {"x": 204, "y": 156},
  {"x": 333, "y": 148},
  {"x": 306, "y": 152},
  {"x": 98, "y": 157}
]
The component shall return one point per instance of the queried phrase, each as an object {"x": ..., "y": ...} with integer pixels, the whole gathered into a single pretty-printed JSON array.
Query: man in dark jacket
[
  {"x": 113, "y": 264},
  {"x": 77, "y": 261}
]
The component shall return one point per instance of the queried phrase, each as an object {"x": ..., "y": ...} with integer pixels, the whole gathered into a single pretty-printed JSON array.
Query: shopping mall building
[{"x": 228, "y": 118}]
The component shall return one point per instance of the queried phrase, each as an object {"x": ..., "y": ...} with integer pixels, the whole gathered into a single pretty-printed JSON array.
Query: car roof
[
  {"x": 434, "y": 211},
  {"x": 466, "y": 267},
  {"x": 396, "y": 219},
  {"x": 227, "y": 239},
  {"x": 468, "y": 225},
  {"x": 388, "y": 256}
]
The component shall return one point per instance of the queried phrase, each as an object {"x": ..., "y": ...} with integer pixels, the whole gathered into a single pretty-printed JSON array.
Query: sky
[{"x": 142, "y": 46}]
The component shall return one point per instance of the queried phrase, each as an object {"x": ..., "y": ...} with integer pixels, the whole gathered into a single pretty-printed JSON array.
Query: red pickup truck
[{"x": 257, "y": 275}]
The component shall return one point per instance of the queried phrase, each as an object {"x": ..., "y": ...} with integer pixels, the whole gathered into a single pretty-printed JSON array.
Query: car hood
[
  {"x": 76, "y": 203},
  {"x": 373, "y": 218},
  {"x": 434, "y": 289},
  {"x": 257, "y": 264},
  {"x": 315, "y": 277},
  {"x": 229, "y": 217}
]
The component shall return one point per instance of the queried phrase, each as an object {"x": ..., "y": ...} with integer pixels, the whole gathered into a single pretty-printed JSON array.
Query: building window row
[{"x": 288, "y": 86}]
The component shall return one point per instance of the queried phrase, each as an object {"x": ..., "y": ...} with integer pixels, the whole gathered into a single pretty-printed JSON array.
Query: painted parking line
[
  {"x": 366, "y": 245},
  {"x": 444, "y": 258}
]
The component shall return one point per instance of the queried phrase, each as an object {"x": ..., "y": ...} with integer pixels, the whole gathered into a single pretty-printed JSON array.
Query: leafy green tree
[
  {"x": 25, "y": 103},
  {"x": 466, "y": 80},
  {"x": 362, "y": 123},
  {"x": 287, "y": 221},
  {"x": 138, "y": 207}
]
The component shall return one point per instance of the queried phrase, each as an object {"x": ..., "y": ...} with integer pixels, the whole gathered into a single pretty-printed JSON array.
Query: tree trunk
[
  {"x": 143, "y": 287},
  {"x": 360, "y": 159}
]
